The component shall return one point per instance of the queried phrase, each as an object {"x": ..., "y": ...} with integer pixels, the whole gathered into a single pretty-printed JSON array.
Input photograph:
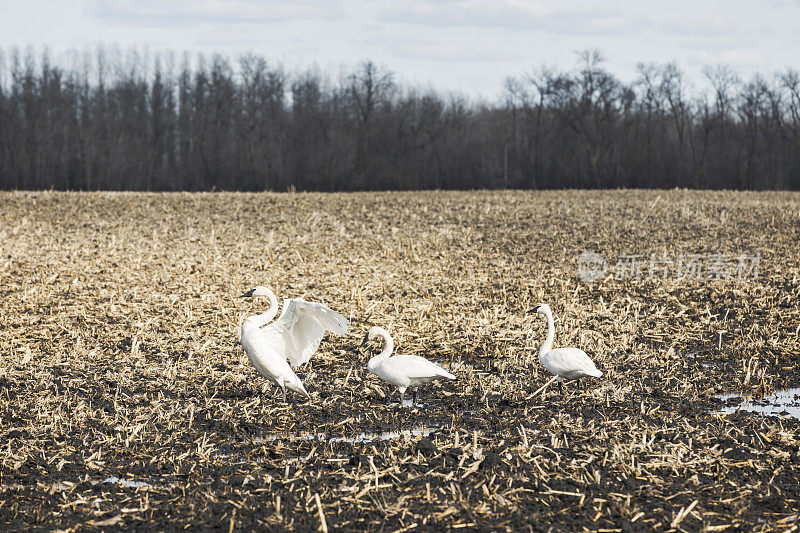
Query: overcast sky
[{"x": 465, "y": 46}]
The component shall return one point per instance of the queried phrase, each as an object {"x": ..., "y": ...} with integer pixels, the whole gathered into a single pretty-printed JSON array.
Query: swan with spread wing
[{"x": 290, "y": 341}]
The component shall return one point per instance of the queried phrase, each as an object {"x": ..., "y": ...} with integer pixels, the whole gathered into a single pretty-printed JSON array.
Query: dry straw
[{"x": 126, "y": 400}]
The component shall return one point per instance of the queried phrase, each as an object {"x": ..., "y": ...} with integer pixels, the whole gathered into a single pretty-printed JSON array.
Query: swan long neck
[
  {"x": 547, "y": 345},
  {"x": 388, "y": 348},
  {"x": 266, "y": 317}
]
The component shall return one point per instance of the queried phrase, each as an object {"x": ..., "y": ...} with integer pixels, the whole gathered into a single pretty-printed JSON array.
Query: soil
[{"x": 127, "y": 403}]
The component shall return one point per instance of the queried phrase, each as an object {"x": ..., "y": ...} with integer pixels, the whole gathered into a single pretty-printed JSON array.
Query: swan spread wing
[
  {"x": 569, "y": 363},
  {"x": 302, "y": 325}
]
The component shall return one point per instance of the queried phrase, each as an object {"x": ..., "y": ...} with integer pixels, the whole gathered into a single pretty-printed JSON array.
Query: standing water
[{"x": 779, "y": 403}]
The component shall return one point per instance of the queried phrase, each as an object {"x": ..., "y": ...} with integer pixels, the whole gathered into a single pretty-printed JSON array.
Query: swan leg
[
  {"x": 284, "y": 394},
  {"x": 414, "y": 395},
  {"x": 402, "y": 395}
]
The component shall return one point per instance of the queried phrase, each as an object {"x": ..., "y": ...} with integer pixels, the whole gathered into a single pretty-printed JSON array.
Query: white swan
[
  {"x": 403, "y": 371},
  {"x": 293, "y": 338},
  {"x": 563, "y": 363}
]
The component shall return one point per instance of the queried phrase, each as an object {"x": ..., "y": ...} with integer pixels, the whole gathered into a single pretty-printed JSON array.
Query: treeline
[{"x": 135, "y": 121}]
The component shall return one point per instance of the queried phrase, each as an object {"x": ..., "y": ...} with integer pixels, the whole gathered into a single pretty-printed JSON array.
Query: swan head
[
  {"x": 258, "y": 291},
  {"x": 543, "y": 309},
  {"x": 388, "y": 346},
  {"x": 373, "y": 332}
]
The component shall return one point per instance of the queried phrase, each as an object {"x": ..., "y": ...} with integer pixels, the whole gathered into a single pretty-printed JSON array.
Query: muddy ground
[{"x": 127, "y": 402}]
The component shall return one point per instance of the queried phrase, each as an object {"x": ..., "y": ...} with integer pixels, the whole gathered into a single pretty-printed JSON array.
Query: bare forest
[{"x": 106, "y": 119}]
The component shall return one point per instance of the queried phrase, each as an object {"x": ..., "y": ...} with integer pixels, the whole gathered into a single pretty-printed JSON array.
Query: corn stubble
[{"x": 127, "y": 401}]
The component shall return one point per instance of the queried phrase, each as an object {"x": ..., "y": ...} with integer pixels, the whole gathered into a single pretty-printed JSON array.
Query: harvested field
[{"x": 127, "y": 401}]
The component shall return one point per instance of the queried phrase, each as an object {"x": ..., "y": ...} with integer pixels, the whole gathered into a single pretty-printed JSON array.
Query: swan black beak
[
  {"x": 536, "y": 309},
  {"x": 248, "y": 294}
]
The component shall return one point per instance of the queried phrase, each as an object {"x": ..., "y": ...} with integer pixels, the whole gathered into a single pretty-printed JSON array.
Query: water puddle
[
  {"x": 419, "y": 431},
  {"x": 64, "y": 485},
  {"x": 407, "y": 404},
  {"x": 780, "y": 403},
  {"x": 52, "y": 487},
  {"x": 125, "y": 482},
  {"x": 704, "y": 363}
]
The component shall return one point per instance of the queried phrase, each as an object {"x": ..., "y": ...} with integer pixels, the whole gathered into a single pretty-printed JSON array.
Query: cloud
[
  {"x": 513, "y": 15},
  {"x": 712, "y": 29},
  {"x": 182, "y": 13},
  {"x": 435, "y": 50},
  {"x": 739, "y": 57}
]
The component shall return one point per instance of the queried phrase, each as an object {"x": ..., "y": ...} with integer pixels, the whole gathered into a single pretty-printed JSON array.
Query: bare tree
[
  {"x": 370, "y": 88},
  {"x": 110, "y": 119}
]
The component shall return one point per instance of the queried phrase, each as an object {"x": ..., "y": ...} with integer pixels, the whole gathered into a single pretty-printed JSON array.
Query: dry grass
[{"x": 120, "y": 358}]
